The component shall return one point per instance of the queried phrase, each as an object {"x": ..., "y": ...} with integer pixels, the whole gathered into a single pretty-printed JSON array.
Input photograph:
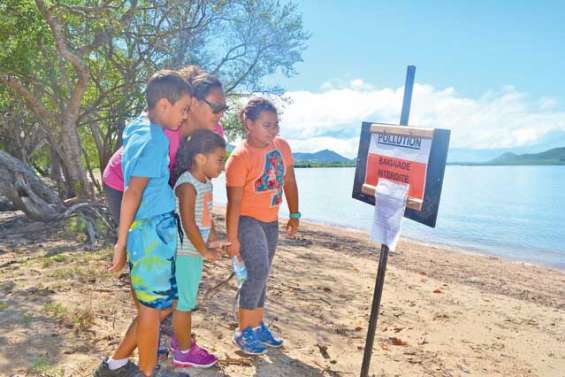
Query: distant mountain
[
  {"x": 555, "y": 156},
  {"x": 322, "y": 156},
  {"x": 552, "y": 139}
]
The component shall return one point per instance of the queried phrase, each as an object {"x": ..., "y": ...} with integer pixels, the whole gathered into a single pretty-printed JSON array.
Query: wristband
[{"x": 295, "y": 215}]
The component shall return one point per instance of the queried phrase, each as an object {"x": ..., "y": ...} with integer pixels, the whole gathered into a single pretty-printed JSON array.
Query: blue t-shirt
[{"x": 146, "y": 154}]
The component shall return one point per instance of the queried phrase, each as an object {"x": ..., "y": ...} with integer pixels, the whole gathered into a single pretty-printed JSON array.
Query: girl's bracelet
[{"x": 295, "y": 215}]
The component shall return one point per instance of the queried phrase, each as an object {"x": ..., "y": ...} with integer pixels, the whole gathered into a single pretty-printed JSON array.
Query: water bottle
[{"x": 239, "y": 270}]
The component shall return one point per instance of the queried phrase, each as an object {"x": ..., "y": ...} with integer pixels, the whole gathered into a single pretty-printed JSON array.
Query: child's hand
[
  {"x": 119, "y": 259},
  {"x": 218, "y": 245},
  {"x": 233, "y": 248},
  {"x": 292, "y": 227},
  {"x": 211, "y": 255}
]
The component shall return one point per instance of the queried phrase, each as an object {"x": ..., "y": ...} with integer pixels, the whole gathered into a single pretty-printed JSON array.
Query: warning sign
[
  {"x": 400, "y": 154},
  {"x": 404, "y": 155},
  {"x": 398, "y": 170}
]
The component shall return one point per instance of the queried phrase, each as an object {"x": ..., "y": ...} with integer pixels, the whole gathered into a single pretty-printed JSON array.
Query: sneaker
[
  {"x": 248, "y": 342},
  {"x": 128, "y": 370},
  {"x": 265, "y": 336},
  {"x": 173, "y": 345},
  {"x": 196, "y": 357}
]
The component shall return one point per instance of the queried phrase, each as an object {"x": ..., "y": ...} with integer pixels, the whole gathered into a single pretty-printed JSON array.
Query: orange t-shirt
[{"x": 261, "y": 172}]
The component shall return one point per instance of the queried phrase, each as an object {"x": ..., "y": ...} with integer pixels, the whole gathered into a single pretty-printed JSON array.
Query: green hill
[
  {"x": 325, "y": 155},
  {"x": 555, "y": 156},
  {"x": 324, "y": 158}
]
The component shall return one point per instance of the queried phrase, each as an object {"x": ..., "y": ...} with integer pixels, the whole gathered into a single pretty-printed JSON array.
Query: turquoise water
[{"x": 516, "y": 212}]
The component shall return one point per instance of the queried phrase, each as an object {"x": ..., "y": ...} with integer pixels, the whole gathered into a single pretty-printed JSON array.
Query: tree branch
[
  {"x": 242, "y": 77},
  {"x": 227, "y": 57},
  {"x": 103, "y": 37},
  {"x": 34, "y": 104},
  {"x": 81, "y": 69}
]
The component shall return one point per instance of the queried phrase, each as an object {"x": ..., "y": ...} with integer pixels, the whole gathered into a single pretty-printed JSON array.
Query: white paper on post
[{"x": 390, "y": 203}]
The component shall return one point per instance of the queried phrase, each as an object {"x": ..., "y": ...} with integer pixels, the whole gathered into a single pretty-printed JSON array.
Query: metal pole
[
  {"x": 410, "y": 74},
  {"x": 377, "y": 294}
]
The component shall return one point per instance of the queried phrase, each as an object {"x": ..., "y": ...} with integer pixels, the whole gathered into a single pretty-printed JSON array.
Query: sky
[{"x": 491, "y": 71}]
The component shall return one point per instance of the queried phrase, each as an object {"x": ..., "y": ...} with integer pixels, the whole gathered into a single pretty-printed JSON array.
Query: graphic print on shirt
[{"x": 272, "y": 178}]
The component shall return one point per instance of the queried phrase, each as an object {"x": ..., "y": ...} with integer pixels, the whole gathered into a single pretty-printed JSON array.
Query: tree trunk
[
  {"x": 28, "y": 193},
  {"x": 20, "y": 185},
  {"x": 72, "y": 161},
  {"x": 58, "y": 174}
]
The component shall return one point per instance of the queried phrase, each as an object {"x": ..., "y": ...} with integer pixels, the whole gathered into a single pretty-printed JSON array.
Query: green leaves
[{"x": 122, "y": 43}]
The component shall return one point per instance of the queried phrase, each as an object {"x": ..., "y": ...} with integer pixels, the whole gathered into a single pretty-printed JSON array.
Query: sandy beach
[{"x": 444, "y": 312}]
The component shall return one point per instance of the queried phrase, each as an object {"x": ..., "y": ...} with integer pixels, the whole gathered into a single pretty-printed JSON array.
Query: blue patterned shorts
[{"x": 151, "y": 250}]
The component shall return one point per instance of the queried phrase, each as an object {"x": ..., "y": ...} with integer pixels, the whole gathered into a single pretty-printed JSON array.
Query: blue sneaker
[
  {"x": 265, "y": 336},
  {"x": 248, "y": 343}
]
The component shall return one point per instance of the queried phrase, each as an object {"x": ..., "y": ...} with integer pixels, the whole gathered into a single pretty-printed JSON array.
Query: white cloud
[{"x": 331, "y": 118}]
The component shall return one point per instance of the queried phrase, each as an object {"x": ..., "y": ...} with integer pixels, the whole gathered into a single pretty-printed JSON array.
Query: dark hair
[
  {"x": 165, "y": 84},
  {"x": 201, "y": 82},
  {"x": 255, "y": 106},
  {"x": 201, "y": 141}
]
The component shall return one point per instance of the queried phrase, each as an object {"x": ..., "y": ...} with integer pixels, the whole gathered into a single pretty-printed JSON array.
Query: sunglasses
[{"x": 216, "y": 107}]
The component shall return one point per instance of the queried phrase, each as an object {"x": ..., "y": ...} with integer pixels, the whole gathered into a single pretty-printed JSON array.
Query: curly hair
[
  {"x": 201, "y": 141},
  {"x": 201, "y": 82},
  {"x": 255, "y": 106}
]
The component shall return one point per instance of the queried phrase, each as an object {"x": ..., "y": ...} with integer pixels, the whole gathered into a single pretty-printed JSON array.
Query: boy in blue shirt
[{"x": 148, "y": 226}]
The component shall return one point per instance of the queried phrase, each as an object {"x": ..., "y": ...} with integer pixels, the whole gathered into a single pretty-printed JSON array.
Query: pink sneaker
[
  {"x": 174, "y": 345},
  {"x": 197, "y": 357}
]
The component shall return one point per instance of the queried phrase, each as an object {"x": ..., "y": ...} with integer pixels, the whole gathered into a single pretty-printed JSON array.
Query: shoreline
[
  {"x": 464, "y": 249},
  {"x": 408, "y": 248},
  {"x": 462, "y": 265}
]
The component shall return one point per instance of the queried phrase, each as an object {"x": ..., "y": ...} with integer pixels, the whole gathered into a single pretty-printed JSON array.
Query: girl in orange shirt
[{"x": 257, "y": 173}]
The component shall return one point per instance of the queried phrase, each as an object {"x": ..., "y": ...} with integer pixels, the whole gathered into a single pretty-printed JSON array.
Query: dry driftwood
[{"x": 27, "y": 192}]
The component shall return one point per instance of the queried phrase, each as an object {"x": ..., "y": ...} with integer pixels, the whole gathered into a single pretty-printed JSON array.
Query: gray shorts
[
  {"x": 258, "y": 244},
  {"x": 114, "y": 201}
]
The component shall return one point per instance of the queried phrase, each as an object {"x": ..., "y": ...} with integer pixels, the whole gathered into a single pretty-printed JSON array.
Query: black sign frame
[{"x": 434, "y": 174}]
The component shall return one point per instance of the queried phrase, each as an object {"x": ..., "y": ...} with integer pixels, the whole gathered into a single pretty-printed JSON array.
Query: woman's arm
[
  {"x": 232, "y": 218},
  {"x": 291, "y": 194},
  {"x": 130, "y": 203}
]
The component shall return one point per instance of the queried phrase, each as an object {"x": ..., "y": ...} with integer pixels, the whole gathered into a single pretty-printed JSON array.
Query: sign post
[
  {"x": 406, "y": 102},
  {"x": 408, "y": 155}
]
